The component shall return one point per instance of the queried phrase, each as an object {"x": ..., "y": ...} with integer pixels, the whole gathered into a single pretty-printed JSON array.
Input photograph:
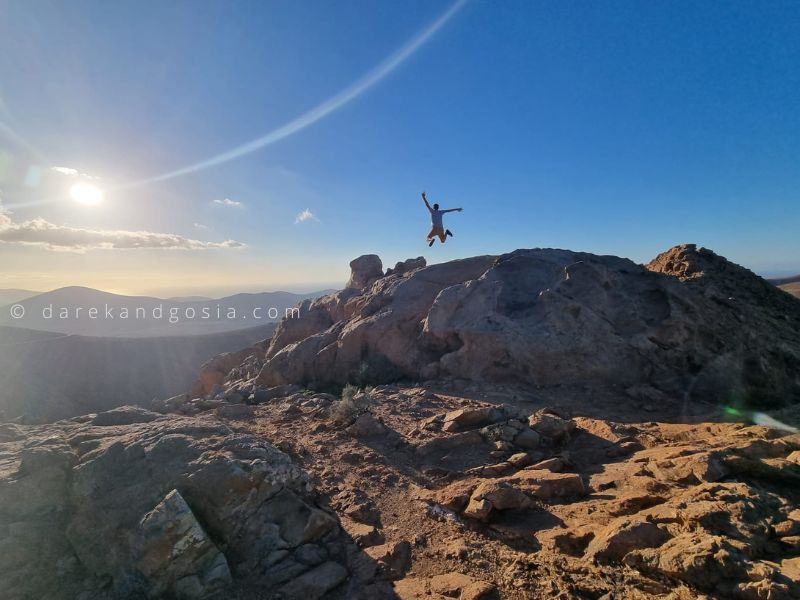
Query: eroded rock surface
[
  {"x": 542, "y": 317},
  {"x": 133, "y": 504}
]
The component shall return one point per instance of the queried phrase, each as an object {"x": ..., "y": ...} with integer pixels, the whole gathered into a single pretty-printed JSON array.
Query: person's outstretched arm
[
  {"x": 453, "y": 210},
  {"x": 425, "y": 200}
]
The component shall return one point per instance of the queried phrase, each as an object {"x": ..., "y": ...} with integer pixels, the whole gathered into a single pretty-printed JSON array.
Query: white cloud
[
  {"x": 305, "y": 215},
  {"x": 229, "y": 202},
  {"x": 70, "y": 172},
  {"x": 200, "y": 226},
  {"x": 65, "y": 170},
  {"x": 39, "y": 232},
  {"x": 5, "y": 219}
]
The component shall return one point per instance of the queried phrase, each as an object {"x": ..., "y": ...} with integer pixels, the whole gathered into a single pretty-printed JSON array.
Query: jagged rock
[
  {"x": 100, "y": 502},
  {"x": 520, "y": 460},
  {"x": 704, "y": 561},
  {"x": 470, "y": 417},
  {"x": 395, "y": 558},
  {"x": 391, "y": 339},
  {"x": 622, "y": 536},
  {"x": 555, "y": 464},
  {"x": 176, "y": 555},
  {"x": 684, "y": 466},
  {"x": 214, "y": 372},
  {"x": 551, "y": 426},
  {"x": 455, "y": 496},
  {"x": 410, "y": 264},
  {"x": 503, "y": 434},
  {"x": 546, "y": 484},
  {"x": 495, "y": 495},
  {"x": 366, "y": 426},
  {"x": 364, "y": 270}
]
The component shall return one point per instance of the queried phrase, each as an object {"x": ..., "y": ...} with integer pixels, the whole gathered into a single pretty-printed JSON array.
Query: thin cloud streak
[
  {"x": 344, "y": 97},
  {"x": 228, "y": 202}
]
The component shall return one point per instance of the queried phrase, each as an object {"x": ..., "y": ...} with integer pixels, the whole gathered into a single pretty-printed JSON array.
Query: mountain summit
[{"x": 690, "y": 324}]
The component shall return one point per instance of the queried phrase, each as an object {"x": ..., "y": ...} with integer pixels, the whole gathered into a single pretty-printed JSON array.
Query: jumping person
[{"x": 436, "y": 222}]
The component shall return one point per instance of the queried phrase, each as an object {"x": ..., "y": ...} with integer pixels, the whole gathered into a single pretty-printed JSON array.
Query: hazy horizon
[
  {"x": 212, "y": 293},
  {"x": 251, "y": 288},
  {"x": 169, "y": 151}
]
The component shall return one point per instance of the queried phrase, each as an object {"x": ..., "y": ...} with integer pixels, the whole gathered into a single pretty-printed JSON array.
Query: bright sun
[{"x": 86, "y": 193}]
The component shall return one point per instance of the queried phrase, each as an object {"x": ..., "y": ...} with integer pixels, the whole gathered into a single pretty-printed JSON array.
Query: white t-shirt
[{"x": 436, "y": 217}]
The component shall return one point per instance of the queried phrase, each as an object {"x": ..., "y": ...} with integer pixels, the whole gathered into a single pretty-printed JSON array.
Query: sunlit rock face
[{"x": 690, "y": 322}]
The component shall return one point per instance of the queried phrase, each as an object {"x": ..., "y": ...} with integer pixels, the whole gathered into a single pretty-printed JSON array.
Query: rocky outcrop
[
  {"x": 367, "y": 335},
  {"x": 242, "y": 364},
  {"x": 364, "y": 270},
  {"x": 133, "y": 504},
  {"x": 688, "y": 323},
  {"x": 408, "y": 265}
]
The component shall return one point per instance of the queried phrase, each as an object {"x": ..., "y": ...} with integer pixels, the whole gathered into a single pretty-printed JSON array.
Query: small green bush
[{"x": 351, "y": 406}]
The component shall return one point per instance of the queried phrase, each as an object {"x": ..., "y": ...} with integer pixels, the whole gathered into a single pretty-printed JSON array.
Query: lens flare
[
  {"x": 330, "y": 105},
  {"x": 86, "y": 194}
]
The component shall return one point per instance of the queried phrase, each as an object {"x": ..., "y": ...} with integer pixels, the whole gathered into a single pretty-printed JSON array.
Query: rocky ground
[
  {"x": 562, "y": 493},
  {"x": 439, "y": 490}
]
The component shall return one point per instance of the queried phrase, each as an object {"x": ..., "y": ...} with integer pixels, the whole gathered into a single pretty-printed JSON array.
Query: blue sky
[{"x": 610, "y": 127}]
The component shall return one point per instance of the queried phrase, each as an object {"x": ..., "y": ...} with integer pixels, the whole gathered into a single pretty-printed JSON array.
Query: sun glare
[{"x": 86, "y": 194}]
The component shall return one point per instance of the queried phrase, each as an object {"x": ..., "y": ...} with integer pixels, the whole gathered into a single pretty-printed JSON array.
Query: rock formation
[
  {"x": 135, "y": 504},
  {"x": 688, "y": 323}
]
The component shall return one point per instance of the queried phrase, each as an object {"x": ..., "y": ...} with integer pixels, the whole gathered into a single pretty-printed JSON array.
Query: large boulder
[{"x": 364, "y": 270}]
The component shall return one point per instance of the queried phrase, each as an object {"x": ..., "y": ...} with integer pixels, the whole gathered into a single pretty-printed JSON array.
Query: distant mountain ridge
[
  {"x": 12, "y": 295},
  {"x": 87, "y": 311}
]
